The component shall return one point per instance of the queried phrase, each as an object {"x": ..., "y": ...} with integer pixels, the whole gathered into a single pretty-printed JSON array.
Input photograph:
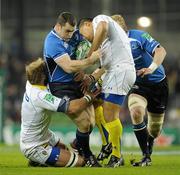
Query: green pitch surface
[{"x": 165, "y": 162}]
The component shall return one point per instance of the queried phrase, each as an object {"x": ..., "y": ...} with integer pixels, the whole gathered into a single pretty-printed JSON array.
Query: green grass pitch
[{"x": 167, "y": 162}]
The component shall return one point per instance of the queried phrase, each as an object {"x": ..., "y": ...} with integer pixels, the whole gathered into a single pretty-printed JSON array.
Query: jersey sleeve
[
  {"x": 54, "y": 49},
  {"x": 47, "y": 101},
  {"x": 98, "y": 19},
  {"x": 148, "y": 43}
]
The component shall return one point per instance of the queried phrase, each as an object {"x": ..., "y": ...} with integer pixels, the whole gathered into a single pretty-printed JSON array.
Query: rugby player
[
  {"x": 118, "y": 66},
  {"x": 150, "y": 90},
  {"x": 59, "y": 54},
  {"x": 37, "y": 142}
]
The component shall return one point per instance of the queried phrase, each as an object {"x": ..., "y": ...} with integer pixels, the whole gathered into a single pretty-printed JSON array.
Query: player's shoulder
[
  {"x": 33, "y": 90},
  {"x": 102, "y": 17},
  {"x": 135, "y": 32},
  {"x": 53, "y": 38}
]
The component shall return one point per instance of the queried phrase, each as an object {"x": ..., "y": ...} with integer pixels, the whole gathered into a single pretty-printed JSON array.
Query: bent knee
[
  {"x": 137, "y": 112},
  {"x": 137, "y": 105}
]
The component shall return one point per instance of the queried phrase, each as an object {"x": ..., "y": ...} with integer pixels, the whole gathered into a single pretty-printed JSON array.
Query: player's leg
[
  {"x": 84, "y": 121},
  {"x": 111, "y": 114},
  {"x": 67, "y": 159},
  {"x": 155, "y": 123},
  {"x": 106, "y": 149},
  {"x": 47, "y": 155},
  {"x": 157, "y": 104},
  {"x": 137, "y": 105}
]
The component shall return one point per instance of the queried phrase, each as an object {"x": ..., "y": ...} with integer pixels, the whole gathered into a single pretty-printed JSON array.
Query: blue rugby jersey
[
  {"x": 143, "y": 46},
  {"x": 55, "y": 47}
]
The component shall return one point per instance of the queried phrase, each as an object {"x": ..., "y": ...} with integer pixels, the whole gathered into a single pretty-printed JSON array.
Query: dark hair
[
  {"x": 83, "y": 20},
  {"x": 66, "y": 17}
]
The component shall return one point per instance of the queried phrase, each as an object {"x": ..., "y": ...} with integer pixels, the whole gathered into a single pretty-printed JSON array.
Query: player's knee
[
  {"x": 137, "y": 114},
  {"x": 137, "y": 105},
  {"x": 85, "y": 125}
]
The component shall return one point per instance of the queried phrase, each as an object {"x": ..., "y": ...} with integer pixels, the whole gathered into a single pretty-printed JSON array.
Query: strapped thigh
[{"x": 73, "y": 160}]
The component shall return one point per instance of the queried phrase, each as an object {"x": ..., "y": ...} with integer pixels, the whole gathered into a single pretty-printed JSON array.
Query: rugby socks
[
  {"x": 101, "y": 124},
  {"x": 150, "y": 144},
  {"x": 83, "y": 143},
  {"x": 142, "y": 135},
  {"x": 115, "y": 131}
]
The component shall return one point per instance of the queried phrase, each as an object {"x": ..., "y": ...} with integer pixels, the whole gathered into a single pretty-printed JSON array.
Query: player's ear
[{"x": 58, "y": 26}]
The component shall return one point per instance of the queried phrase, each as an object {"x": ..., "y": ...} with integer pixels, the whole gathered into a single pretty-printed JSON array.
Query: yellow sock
[
  {"x": 101, "y": 124},
  {"x": 115, "y": 132}
]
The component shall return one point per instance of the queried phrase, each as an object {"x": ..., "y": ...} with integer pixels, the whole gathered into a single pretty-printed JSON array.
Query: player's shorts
[
  {"x": 72, "y": 90},
  {"x": 45, "y": 154},
  {"x": 118, "y": 81},
  {"x": 113, "y": 98},
  {"x": 156, "y": 95}
]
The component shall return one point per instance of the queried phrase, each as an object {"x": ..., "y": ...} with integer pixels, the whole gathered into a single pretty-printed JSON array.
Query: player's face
[
  {"x": 87, "y": 31},
  {"x": 66, "y": 31}
]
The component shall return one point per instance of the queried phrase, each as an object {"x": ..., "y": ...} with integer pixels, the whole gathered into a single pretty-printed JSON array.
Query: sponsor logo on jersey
[
  {"x": 147, "y": 36},
  {"x": 49, "y": 98}
]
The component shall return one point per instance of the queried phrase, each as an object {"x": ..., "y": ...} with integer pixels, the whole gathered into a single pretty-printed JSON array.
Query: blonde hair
[
  {"x": 120, "y": 20},
  {"x": 36, "y": 72}
]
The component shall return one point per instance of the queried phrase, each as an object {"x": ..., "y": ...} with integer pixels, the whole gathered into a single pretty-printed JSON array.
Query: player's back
[{"x": 34, "y": 119}]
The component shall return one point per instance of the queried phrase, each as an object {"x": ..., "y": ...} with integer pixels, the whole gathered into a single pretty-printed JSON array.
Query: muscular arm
[
  {"x": 99, "y": 37},
  {"x": 70, "y": 66},
  {"x": 159, "y": 55}
]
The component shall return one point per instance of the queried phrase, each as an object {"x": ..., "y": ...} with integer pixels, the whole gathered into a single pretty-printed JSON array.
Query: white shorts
[
  {"x": 39, "y": 154},
  {"x": 118, "y": 81}
]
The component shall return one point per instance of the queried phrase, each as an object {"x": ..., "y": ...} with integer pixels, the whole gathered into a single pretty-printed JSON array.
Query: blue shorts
[
  {"x": 55, "y": 153},
  {"x": 113, "y": 98}
]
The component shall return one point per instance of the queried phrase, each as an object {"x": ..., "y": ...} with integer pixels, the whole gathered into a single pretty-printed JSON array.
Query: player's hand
[
  {"x": 79, "y": 76},
  {"x": 144, "y": 71},
  {"x": 86, "y": 83},
  {"x": 95, "y": 56}
]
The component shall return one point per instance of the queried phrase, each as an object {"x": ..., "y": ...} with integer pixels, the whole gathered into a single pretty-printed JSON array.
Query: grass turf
[{"x": 12, "y": 162}]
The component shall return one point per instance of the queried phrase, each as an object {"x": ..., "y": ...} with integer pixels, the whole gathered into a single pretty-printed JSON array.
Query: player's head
[
  {"x": 120, "y": 20},
  {"x": 86, "y": 28},
  {"x": 65, "y": 25},
  {"x": 36, "y": 72}
]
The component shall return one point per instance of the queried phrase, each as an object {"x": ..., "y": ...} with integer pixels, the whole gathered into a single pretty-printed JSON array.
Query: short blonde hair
[
  {"x": 36, "y": 72},
  {"x": 120, "y": 20}
]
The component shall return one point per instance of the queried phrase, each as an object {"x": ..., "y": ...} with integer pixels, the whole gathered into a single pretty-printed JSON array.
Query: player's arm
[
  {"x": 159, "y": 55},
  {"x": 50, "y": 102},
  {"x": 71, "y": 66},
  {"x": 151, "y": 46},
  {"x": 98, "y": 73},
  {"x": 99, "y": 37},
  {"x": 158, "y": 58}
]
